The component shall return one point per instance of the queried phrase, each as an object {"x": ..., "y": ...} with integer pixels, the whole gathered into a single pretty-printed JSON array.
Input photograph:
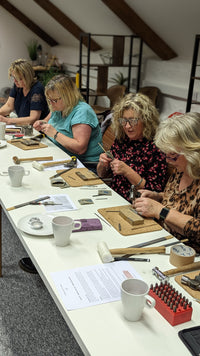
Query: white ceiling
[{"x": 175, "y": 21}]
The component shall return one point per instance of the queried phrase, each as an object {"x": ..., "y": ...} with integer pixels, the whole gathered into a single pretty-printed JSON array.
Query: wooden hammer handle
[
  {"x": 55, "y": 163},
  {"x": 187, "y": 268},
  {"x": 49, "y": 158},
  {"x": 136, "y": 251}
]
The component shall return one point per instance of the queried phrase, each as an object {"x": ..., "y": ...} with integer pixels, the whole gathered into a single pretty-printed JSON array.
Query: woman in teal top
[{"x": 72, "y": 124}]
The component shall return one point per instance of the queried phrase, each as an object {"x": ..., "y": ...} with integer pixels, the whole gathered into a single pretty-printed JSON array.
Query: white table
[{"x": 99, "y": 330}]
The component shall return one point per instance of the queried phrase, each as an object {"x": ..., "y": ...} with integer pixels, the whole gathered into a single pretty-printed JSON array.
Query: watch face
[{"x": 163, "y": 214}]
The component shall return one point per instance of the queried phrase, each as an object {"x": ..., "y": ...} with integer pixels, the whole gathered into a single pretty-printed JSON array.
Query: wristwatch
[
  {"x": 163, "y": 214},
  {"x": 55, "y": 136}
]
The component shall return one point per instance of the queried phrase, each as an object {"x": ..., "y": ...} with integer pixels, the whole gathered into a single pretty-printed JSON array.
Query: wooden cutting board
[
  {"x": 74, "y": 180},
  {"x": 27, "y": 148},
  {"x": 124, "y": 227},
  {"x": 192, "y": 275}
]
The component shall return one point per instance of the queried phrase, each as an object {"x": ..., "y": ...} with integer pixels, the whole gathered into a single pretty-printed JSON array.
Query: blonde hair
[
  {"x": 181, "y": 134},
  {"x": 67, "y": 90},
  {"x": 144, "y": 107},
  {"x": 23, "y": 70}
]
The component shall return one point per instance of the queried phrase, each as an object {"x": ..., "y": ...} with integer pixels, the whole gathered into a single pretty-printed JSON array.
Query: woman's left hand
[
  {"x": 4, "y": 119},
  {"x": 119, "y": 167},
  {"x": 148, "y": 207}
]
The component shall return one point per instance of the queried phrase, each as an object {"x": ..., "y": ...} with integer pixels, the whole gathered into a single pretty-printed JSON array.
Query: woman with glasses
[
  {"x": 72, "y": 124},
  {"x": 26, "y": 97},
  {"x": 177, "y": 208},
  {"x": 137, "y": 162}
]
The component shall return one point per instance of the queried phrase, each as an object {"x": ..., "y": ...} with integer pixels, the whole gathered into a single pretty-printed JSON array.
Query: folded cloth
[{"x": 88, "y": 225}]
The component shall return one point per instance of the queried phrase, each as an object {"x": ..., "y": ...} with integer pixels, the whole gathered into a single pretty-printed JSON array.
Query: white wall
[{"x": 13, "y": 39}]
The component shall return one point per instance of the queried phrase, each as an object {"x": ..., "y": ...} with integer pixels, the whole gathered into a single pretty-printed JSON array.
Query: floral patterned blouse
[
  {"x": 145, "y": 158},
  {"x": 186, "y": 201}
]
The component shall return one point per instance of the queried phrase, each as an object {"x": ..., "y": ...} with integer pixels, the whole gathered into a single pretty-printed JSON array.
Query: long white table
[{"x": 102, "y": 329}]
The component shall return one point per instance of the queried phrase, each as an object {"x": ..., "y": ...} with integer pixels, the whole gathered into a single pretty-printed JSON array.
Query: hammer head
[
  {"x": 37, "y": 166},
  {"x": 16, "y": 160},
  {"x": 160, "y": 275}
]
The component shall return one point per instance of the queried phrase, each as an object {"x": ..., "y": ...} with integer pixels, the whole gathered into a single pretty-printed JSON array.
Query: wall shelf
[{"x": 118, "y": 46}]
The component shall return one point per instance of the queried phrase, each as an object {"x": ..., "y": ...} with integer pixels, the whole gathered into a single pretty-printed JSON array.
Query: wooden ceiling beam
[
  {"x": 28, "y": 23},
  {"x": 140, "y": 28},
  {"x": 66, "y": 22}
]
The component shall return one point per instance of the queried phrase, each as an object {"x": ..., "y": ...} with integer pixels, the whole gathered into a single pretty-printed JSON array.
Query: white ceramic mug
[
  {"x": 62, "y": 229},
  {"x": 2, "y": 130},
  {"x": 16, "y": 174},
  {"x": 134, "y": 297}
]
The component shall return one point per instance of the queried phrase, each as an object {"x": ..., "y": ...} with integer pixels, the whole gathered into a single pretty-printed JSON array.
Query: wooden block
[{"x": 131, "y": 217}]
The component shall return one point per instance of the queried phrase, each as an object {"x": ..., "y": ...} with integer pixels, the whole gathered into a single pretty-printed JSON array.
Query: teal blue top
[{"x": 82, "y": 113}]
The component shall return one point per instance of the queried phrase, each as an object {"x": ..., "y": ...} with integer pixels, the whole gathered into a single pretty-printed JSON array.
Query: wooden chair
[
  {"x": 114, "y": 93},
  {"x": 152, "y": 92}
]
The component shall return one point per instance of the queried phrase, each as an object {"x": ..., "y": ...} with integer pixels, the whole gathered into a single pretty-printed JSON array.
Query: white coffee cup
[
  {"x": 62, "y": 229},
  {"x": 16, "y": 174},
  {"x": 134, "y": 297},
  {"x": 2, "y": 130}
]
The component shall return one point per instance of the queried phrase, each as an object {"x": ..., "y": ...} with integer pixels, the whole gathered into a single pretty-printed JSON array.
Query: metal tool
[
  {"x": 17, "y": 160},
  {"x": 45, "y": 203},
  {"x": 72, "y": 162},
  {"x": 28, "y": 203},
  {"x": 151, "y": 242},
  {"x": 164, "y": 276},
  {"x": 192, "y": 283},
  {"x": 108, "y": 153},
  {"x": 62, "y": 172}
]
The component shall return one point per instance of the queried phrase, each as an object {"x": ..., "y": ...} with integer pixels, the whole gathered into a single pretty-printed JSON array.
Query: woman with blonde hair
[
  {"x": 72, "y": 124},
  {"x": 26, "y": 97},
  {"x": 177, "y": 208},
  {"x": 137, "y": 161}
]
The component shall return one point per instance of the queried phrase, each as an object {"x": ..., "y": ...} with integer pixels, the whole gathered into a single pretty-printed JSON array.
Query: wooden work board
[
  {"x": 124, "y": 227},
  {"x": 195, "y": 294},
  {"x": 74, "y": 180},
  {"x": 20, "y": 145}
]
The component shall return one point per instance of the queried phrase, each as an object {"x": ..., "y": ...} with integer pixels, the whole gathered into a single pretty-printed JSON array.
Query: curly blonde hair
[
  {"x": 67, "y": 90},
  {"x": 181, "y": 134},
  {"x": 144, "y": 107},
  {"x": 22, "y": 69}
]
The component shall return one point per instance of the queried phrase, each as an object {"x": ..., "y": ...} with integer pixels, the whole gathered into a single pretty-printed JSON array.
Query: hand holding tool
[
  {"x": 108, "y": 153},
  {"x": 17, "y": 160}
]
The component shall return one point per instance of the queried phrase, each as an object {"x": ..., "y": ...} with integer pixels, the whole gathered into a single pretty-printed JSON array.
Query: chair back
[{"x": 115, "y": 93}]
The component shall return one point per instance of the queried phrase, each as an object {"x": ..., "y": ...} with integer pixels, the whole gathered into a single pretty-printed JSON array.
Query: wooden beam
[
  {"x": 140, "y": 28},
  {"x": 28, "y": 23},
  {"x": 66, "y": 22}
]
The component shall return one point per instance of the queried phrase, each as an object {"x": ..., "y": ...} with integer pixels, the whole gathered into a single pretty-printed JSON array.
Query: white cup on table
[
  {"x": 16, "y": 174},
  {"x": 62, "y": 229},
  {"x": 134, "y": 297},
  {"x": 2, "y": 130}
]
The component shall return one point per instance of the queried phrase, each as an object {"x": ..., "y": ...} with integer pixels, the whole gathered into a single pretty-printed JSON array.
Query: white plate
[
  {"x": 23, "y": 224},
  {"x": 3, "y": 143}
]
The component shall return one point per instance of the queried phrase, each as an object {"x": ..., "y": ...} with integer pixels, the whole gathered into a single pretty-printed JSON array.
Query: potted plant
[
  {"x": 119, "y": 79},
  {"x": 32, "y": 49}
]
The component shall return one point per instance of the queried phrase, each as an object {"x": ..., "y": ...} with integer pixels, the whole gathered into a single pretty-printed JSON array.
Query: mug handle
[
  {"x": 4, "y": 174},
  {"x": 26, "y": 173},
  {"x": 150, "y": 302},
  {"x": 78, "y": 225}
]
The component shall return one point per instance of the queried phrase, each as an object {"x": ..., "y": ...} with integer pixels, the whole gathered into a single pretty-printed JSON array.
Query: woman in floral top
[
  {"x": 178, "y": 208},
  {"x": 137, "y": 161}
]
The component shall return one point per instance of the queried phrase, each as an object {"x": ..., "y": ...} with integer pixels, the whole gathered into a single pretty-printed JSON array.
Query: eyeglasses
[
  {"x": 53, "y": 100},
  {"x": 173, "y": 157},
  {"x": 131, "y": 122}
]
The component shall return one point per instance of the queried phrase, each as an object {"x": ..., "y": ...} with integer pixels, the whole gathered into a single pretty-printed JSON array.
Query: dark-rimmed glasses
[{"x": 131, "y": 122}]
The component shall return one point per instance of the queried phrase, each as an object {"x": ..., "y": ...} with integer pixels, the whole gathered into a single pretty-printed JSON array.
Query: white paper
[
  {"x": 64, "y": 201},
  {"x": 92, "y": 285}
]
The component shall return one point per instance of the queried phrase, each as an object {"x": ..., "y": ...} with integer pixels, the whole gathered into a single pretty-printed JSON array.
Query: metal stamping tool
[
  {"x": 108, "y": 153},
  {"x": 163, "y": 276}
]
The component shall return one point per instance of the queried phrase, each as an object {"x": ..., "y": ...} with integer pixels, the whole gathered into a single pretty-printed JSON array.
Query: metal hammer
[
  {"x": 164, "y": 276},
  {"x": 17, "y": 160}
]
